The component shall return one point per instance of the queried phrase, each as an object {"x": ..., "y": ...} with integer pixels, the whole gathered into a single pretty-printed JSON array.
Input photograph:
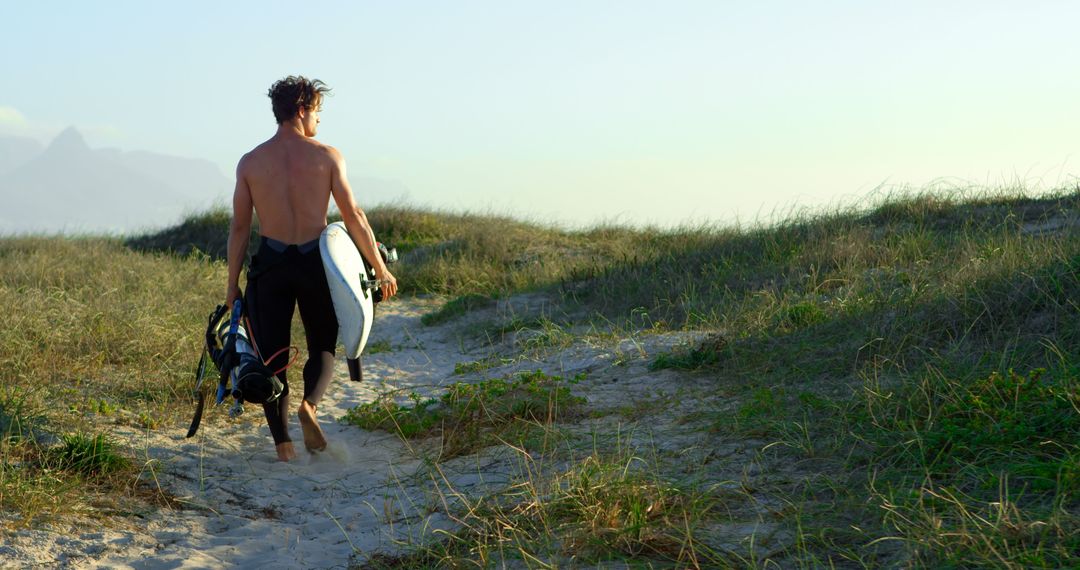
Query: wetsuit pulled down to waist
[{"x": 280, "y": 277}]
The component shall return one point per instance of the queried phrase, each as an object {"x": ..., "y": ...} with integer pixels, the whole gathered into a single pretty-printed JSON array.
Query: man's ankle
[{"x": 285, "y": 451}]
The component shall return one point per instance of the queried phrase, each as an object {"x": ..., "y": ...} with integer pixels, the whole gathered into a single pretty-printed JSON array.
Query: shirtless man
[{"x": 289, "y": 180}]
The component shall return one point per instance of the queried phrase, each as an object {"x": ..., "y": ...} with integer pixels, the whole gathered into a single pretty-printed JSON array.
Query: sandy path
[{"x": 369, "y": 491}]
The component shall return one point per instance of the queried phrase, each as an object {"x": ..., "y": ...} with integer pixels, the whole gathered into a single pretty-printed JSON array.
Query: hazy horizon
[{"x": 668, "y": 114}]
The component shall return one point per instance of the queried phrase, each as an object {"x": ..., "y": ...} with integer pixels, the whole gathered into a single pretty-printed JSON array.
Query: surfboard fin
[{"x": 355, "y": 373}]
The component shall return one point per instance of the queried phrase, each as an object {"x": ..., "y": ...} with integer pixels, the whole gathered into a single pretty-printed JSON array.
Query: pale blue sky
[{"x": 576, "y": 112}]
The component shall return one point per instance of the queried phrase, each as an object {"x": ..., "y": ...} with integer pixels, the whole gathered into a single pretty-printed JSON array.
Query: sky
[{"x": 577, "y": 113}]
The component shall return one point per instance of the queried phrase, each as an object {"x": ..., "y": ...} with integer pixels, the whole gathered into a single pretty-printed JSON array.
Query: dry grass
[{"x": 95, "y": 334}]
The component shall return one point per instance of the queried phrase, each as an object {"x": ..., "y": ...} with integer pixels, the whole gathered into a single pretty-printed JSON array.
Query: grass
[
  {"x": 922, "y": 353},
  {"x": 693, "y": 358},
  {"x": 88, "y": 455},
  {"x": 903, "y": 347},
  {"x": 795, "y": 274},
  {"x": 468, "y": 417},
  {"x": 378, "y": 347},
  {"x": 204, "y": 234},
  {"x": 456, "y": 307},
  {"x": 982, "y": 470},
  {"x": 481, "y": 365},
  {"x": 94, "y": 329},
  {"x": 42, "y": 480},
  {"x": 604, "y": 506},
  {"x": 17, "y": 420}
]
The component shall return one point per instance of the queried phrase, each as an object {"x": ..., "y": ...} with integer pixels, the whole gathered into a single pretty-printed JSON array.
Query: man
[{"x": 289, "y": 180}]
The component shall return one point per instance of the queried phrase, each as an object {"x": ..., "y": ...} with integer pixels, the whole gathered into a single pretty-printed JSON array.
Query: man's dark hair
[{"x": 290, "y": 94}]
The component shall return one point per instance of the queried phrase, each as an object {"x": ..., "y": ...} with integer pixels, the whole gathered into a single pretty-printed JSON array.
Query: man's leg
[
  {"x": 321, "y": 329},
  {"x": 270, "y": 309},
  {"x": 318, "y": 372}
]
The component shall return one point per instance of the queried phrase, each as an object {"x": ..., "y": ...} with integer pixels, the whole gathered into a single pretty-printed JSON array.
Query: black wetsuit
[{"x": 280, "y": 277}]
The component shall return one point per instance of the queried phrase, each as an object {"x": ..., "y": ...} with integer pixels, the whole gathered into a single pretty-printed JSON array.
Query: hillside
[{"x": 881, "y": 388}]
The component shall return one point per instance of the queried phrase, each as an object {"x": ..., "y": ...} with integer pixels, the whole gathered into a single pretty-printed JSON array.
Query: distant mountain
[{"x": 69, "y": 187}]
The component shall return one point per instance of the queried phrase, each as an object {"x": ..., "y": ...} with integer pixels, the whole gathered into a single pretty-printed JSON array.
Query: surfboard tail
[{"x": 355, "y": 373}]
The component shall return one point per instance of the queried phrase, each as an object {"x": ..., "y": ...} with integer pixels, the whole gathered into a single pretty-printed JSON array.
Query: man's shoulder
[
  {"x": 245, "y": 162},
  {"x": 272, "y": 150},
  {"x": 330, "y": 154},
  {"x": 314, "y": 148},
  {"x": 255, "y": 154},
  {"x": 327, "y": 149}
]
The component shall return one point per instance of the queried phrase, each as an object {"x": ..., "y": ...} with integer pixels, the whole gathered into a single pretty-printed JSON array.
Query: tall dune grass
[
  {"x": 94, "y": 334},
  {"x": 926, "y": 348}
]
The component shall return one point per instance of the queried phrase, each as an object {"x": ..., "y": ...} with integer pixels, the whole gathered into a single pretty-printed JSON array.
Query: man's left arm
[{"x": 239, "y": 234}]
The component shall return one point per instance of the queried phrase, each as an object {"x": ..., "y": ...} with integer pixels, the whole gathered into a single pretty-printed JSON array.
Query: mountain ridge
[{"x": 69, "y": 187}]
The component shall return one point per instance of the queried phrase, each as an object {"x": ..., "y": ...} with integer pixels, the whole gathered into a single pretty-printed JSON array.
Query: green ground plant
[
  {"x": 468, "y": 417},
  {"x": 88, "y": 455},
  {"x": 695, "y": 357},
  {"x": 378, "y": 347}
]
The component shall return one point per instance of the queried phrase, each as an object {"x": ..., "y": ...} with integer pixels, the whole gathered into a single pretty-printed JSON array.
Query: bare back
[
  {"x": 290, "y": 178},
  {"x": 287, "y": 182}
]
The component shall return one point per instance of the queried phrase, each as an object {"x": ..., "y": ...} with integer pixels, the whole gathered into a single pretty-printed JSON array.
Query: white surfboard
[{"x": 346, "y": 270}]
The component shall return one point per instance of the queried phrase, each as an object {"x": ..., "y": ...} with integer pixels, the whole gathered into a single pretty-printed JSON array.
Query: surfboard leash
[{"x": 255, "y": 345}]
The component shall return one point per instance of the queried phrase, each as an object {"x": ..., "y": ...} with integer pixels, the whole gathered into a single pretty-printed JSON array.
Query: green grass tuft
[
  {"x": 457, "y": 307},
  {"x": 470, "y": 416},
  {"x": 704, "y": 354},
  {"x": 606, "y": 507},
  {"x": 18, "y": 421},
  {"x": 378, "y": 347},
  {"x": 88, "y": 455}
]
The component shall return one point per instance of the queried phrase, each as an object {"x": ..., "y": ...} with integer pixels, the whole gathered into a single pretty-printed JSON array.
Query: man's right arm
[
  {"x": 239, "y": 233},
  {"x": 356, "y": 223}
]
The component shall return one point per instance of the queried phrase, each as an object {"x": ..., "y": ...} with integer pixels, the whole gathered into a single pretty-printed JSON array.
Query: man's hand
[
  {"x": 231, "y": 295},
  {"x": 388, "y": 283}
]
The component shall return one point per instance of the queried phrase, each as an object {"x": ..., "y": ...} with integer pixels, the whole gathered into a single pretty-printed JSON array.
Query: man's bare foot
[
  {"x": 314, "y": 440},
  {"x": 285, "y": 451}
]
